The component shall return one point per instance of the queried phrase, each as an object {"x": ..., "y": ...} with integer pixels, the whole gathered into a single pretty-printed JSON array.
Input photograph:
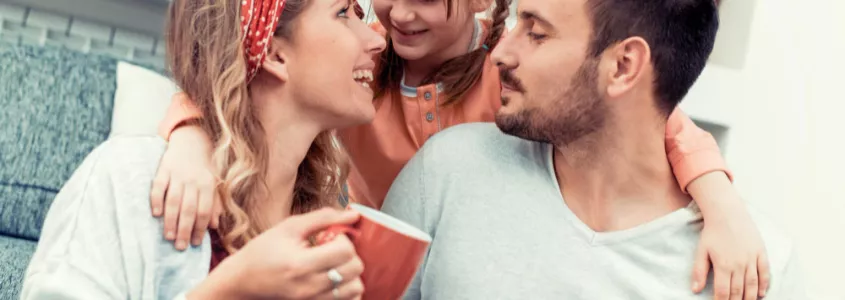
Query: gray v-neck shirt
[{"x": 501, "y": 230}]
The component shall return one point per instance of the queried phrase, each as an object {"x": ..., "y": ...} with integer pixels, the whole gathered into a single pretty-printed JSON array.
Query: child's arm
[
  {"x": 184, "y": 188},
  {"x": 729, "y": 239}
]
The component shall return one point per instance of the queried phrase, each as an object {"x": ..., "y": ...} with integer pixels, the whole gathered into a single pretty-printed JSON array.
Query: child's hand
[
  {"x": 740, "y": 265},
  {"x": 184, "y": 188},
  {"x": 730, "y": 241}
]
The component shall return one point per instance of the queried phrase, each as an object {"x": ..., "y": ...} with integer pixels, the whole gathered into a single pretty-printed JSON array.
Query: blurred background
[{"x": 772, "y": 95}]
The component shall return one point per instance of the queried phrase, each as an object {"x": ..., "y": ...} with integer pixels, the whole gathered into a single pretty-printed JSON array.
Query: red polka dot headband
[{"x": 258, "y": 23}]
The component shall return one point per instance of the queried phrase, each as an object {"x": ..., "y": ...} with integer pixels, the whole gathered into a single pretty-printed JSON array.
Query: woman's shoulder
[
  {"x": 140, "y": 146},
  {"x": 126, "y": 155},
  {"x": 99, "y": 227},
  {"x": 118, "y": 172}
]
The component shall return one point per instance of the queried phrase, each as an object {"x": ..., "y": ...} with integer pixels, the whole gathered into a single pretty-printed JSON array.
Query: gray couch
[{"x": 56, "y": 107}]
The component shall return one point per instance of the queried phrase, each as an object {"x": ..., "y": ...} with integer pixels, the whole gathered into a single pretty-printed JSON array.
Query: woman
[{"x": 252, "y": 68}]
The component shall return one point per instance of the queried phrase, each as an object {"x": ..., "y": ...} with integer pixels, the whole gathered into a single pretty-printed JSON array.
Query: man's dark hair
[{"x": 680, "y": 34}]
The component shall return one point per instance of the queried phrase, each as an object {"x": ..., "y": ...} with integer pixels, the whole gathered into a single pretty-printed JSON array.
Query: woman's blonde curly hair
[{"x": 206, "y": 59}]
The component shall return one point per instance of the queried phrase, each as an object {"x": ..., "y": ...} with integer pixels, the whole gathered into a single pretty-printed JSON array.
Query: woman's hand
[
  {"x": 281, "y": 264},
  {"x": 729, "y": 240},
  {"x": 184, "y": 188}
]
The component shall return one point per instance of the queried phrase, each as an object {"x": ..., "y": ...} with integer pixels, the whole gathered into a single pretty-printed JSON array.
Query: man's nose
[{"x": 503, "y": 55}]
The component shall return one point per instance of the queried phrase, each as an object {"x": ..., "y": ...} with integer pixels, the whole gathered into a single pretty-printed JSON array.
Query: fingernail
[
  {"x": 170, "y": 235},
  {"x": 157, "y": 211},
  {"x": 196, "y": 242},
  {"x": 695, "y": 285},
  {"x": 181, "y": 245}
]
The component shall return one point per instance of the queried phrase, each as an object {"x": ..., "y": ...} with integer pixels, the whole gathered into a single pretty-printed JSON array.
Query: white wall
[{"x": 784, "y": 105}]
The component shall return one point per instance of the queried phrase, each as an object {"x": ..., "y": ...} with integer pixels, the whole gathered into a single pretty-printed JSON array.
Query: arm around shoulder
[{"x": 692, "y": 151}]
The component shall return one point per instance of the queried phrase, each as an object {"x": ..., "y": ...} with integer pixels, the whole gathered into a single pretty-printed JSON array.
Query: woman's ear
[{"x": 276, "y": 63}]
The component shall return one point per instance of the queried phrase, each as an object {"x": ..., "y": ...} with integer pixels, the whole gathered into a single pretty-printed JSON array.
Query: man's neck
[{"x": 619, "y": 178}]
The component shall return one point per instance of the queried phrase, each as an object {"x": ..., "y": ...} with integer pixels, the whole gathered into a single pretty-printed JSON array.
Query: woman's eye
[{"x": 343, "y": 12}]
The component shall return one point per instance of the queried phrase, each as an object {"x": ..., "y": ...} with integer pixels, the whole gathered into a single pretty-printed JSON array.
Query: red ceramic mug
[{"x": 390, "y": 249}]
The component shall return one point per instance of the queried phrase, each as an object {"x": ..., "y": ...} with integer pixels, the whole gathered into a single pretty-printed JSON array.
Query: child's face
[{"x": 422, "y": 29}]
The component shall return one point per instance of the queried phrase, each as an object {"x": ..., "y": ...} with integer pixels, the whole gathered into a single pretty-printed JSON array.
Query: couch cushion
[
  {"x": 141, "y": 100},
  {"x": 14, "y": 258},
  {"x": 57, "y": 106}
]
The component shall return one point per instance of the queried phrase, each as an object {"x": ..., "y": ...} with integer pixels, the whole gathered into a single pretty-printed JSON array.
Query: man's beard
[{"x": 573, "y": 115}]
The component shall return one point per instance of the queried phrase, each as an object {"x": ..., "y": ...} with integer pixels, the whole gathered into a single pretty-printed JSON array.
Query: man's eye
[{"x": 536, "y": 36}]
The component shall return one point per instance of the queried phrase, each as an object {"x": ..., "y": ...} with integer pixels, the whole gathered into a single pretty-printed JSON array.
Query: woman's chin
[
  {"x": 359, "y": 115},
  {"x": 364, "y": 102},
  {"x": 366, "y": 114}
]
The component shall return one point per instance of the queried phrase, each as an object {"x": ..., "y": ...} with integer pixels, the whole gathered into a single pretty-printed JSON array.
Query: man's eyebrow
[{"x": 528, "y": 15}]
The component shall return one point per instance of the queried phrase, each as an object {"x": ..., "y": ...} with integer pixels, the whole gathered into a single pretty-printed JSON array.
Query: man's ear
[
  {"x": 626, "y": 65},
  {"x": 276, "y": 63},
  {"x": 478, "y": 6}
]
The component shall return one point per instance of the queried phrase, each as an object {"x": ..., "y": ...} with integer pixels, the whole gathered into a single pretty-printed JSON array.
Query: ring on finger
[
  {"x": 335, "y": 278},
  {"x": 336, "y": 293}
]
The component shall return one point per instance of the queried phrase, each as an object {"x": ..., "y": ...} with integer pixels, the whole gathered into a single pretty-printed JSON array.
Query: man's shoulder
[
  {"x": 779, "y": 245},
  {"x": 478, "y": 140},
  {"x": 468, "y": 130}
]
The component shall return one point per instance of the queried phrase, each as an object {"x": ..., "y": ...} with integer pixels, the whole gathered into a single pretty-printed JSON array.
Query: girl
[
  {"x": 436, "y": 73},
  {"x": 252, "y": 68}
]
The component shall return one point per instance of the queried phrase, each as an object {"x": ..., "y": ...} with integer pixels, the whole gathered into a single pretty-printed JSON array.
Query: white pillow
[{"x": 140, "y": 101}]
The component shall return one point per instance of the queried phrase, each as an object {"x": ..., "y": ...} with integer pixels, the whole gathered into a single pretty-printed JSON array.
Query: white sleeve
[
  {"x": 79, "y": 253},
  {"x": 99, "y": 239}
]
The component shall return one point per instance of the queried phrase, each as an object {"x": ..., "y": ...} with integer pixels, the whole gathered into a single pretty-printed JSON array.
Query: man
[{"x": 576, "y": 199}]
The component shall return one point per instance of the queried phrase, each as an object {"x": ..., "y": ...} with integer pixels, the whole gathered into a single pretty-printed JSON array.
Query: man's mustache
[{"x": 511, "y": 82}]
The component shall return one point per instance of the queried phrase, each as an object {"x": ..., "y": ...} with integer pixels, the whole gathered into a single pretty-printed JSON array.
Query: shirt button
[
  {"x": 427, "y": 96},
  {"x": 429, "y": 116}
]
